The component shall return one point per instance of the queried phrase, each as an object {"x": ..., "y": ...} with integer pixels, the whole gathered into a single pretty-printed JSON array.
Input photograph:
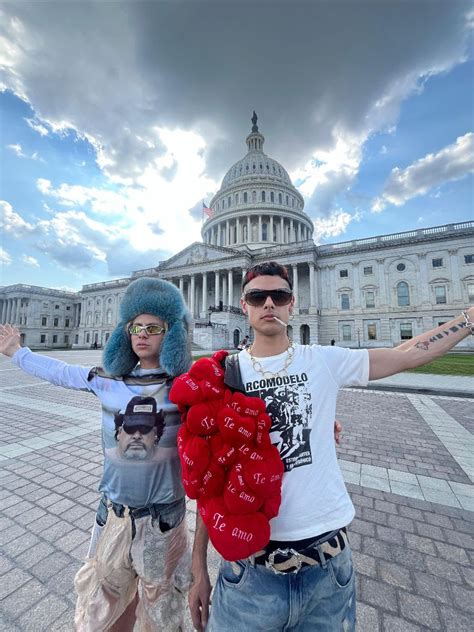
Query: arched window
[
  {"x": 254, "y": 196},
  {"x": 272, "y": 196},
  {"x": 279, "y": 198},
  {"x": 245, "y": 197},
  {"x": 236, "y": 198},
  {"x": 403, "y": 294},
  {"x": 287, "y": 201},
  {"x": 228, "y": 202},
  {"x": 263, "y": 196},
  {"x": 244, "y": 233},
  {"x": 108, "y": 317},
  {"x": 264, "y": 232}
]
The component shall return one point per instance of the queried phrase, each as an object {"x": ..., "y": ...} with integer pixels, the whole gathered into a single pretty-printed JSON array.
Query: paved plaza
[{"x": 407, "y": 457}]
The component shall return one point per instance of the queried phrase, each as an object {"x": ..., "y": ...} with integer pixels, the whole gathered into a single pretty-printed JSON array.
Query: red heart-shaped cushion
[
  {"x": 219, "y": 356},
  {"x": 262, "y": 437},
  {"x": 247, "y": 406},
  {"x": 192, "y": 481},
  {"x": 271, "y": 506},
  {"x": 185, "y": 391},
  {"x": 182, "y": 438},
  {"x": 196, "y": 454},
  {"x": 234, "y": 428},
  {"x": 236, "y": 537},
  {"x": 263, "y": 471},
  {"x": 202, "y": 418},
  {"x": 207, "y": 369},
  {"x": 213, "y": 481},
  {"x": 238, "y": 497},
  {"x": 211, "y": 391},
  {"x": 226, "y": 455}
]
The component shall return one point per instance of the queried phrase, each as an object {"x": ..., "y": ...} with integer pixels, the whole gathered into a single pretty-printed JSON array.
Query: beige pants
[{"x": 154, "y": 563}]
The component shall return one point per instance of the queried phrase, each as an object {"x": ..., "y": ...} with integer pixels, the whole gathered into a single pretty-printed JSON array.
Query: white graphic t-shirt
[{"x": 302, "y": 405}]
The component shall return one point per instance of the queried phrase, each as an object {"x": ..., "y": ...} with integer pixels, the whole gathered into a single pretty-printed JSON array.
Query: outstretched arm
[
  {"x": 44, "y": 367},
  {"x": 420, "y": 350},
  {"x": 200, "y": 591}
]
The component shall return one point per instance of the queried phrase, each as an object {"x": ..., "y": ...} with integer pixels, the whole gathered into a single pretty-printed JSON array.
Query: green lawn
[{"x": 453, "y": 364}]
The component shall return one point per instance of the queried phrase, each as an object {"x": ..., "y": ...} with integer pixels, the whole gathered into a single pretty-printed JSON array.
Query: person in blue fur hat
[{"x": 139, "y": 539}]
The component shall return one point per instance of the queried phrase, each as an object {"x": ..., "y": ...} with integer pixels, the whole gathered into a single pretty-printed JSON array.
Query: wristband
[{"x": 468, "y": 323}]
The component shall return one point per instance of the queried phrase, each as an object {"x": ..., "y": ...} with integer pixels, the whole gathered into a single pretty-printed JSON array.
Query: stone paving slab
[{"x": 413, "y": 556}]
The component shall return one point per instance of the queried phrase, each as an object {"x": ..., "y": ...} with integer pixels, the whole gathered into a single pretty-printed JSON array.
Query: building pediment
[{"x": 198, "y": 253}]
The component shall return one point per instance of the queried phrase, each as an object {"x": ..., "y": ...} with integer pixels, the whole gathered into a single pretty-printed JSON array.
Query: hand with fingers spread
[
  {"x": 337, "y": 432},
  {"x": 9, "y": 340}
]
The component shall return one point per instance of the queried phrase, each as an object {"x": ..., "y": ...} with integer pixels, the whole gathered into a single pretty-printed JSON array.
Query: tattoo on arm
[{"x": 424, "y": 344}]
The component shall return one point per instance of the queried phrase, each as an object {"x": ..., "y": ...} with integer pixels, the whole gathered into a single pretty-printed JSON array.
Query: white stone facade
[{"x": 367, "y": 292}]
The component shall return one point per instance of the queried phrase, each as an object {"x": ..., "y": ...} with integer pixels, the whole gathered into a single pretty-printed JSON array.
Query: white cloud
[
  {"x": 30, "y": 261},
  {"x": 12, "y": 223},
  {"x": 37, "y": 127},
  {"x": 333, "y": 225},
  {"x": 450, "y": 163},
  {"x": 5, "y": 258},
  {"x": 17, "y": 150}
]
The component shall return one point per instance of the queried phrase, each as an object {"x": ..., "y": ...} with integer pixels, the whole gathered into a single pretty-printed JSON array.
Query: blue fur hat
[{"x": 159, "y": 298}]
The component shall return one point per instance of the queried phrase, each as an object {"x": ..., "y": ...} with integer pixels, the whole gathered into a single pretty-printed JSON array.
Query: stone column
[
  {"x": 204, "y": 293},
  {"x": 224, "y": 288},
  {"x": 259, "y": 228},
  {"x": 382, "y": 285},
  {"x": 218, "y": 234},
  {"x": 9, "y": 310},
  {"x": 423, "y": 281},
  {"x": 271, "y": 229},
  {"x": 282, "y": 230},
  {"x": 227, "y": 234},
  {"x": 332, "y": 286},
  {"x": 216, "y": 289},
  {"x": 192, "y": 293},
  {"x": 312, "y": 288},
  {"x": 290, "y": 238},
  {"x": 300, "y": 235},
  {"x": 181, "y": 285},
  {"x": 454, "y": 263},
  {"x": 356, "y": 282},
  {"x": 295, "y": 283},
  {"x": 2, "y": 313},
  {"x": 249, "y": 229},
  {"x": 237, "y": 230},
  {"x": 230, "y": 281}
]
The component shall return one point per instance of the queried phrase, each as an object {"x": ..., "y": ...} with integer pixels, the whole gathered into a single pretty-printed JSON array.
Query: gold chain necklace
[{"x": 258, "y": 368}]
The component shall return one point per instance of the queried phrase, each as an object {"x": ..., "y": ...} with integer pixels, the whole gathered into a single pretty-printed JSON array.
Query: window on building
[
  {"x": 44, "y": 321},
  {"x": 401, "y": 267},
  {"x": 88, "y": 318},
  {"x": 45, "y": 304},
  {"x": 97, "y": 318},
  {"x": 68, "y": 308},
  {"x": 228, "y": 201},
  {"x": 76, "y": 339},
  {"x": 470, "y": 291},
  {"x": 468, "y": 258},
  {"x": 372, "y": 331},
  {"x": 403, "y": 294},
  {"x": 345, "y": 301},
  {"x": 279, "y": 198},
  {"x": 108, "y": 317},
  {"x": 437, "y": 263},
  {"x": 254, "y": 196},
  {"x": 440, "y": 294},
  {"x": 264, "y": 232},
  {"x": 245, "y": 197},
  {"x": 88, "y": 337},
  {"x": 346, "y": 332},
  {"x": 56, "y": 307},
  {"x": 55, "y": 339},
  {"x": 55, "y": 322},
  {"x": 107, "y": 335},
  {"x": 406, "y": 331},
  {"x": 370, "y": 299},
  {"x": 66, "y": 340},
  {"x": 287, "y": 201},
  {"x": 263, "y": 196},
  {"x": 272, "y": 196},
  {"x": 43, "y": 338},
  {"x": 367, "y": 270},
  {"x": 343, "y": 273},
  {"x": 66, "y": 322}
]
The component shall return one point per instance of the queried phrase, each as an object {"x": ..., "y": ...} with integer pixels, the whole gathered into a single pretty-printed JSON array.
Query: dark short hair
[{"x": 268, "y": 268}]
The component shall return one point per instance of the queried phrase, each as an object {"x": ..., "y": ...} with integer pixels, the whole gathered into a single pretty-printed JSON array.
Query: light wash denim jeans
[{"x": 252, "y": 598}]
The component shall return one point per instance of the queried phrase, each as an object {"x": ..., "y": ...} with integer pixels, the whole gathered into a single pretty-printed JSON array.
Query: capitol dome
[{"x": 257, "y": 204}]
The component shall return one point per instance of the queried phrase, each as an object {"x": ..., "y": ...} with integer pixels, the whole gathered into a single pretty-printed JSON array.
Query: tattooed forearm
[{"x": 424, "y": 345}]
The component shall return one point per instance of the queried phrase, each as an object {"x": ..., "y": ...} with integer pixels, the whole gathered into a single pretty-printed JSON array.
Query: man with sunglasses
[
  {"x": 304, "y": 579},
  {"x": 139, "y": 538}
]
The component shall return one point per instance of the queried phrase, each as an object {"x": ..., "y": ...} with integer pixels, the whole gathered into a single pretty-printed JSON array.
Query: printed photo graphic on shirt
[{"x": 289, "y": 404}]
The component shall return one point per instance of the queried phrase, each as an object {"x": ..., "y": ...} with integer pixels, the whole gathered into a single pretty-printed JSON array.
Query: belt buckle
[{"x": 271, "y": 560}]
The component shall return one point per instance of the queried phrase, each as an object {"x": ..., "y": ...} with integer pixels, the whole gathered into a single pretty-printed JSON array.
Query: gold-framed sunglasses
[{"x": 150, "y": 330}]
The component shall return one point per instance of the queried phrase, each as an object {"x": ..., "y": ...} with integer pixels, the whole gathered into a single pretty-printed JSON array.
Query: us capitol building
[{"x": 362, "y": 293}]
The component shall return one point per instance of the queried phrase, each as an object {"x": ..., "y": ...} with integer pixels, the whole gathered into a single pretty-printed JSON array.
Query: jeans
[{"x": 252, "y": 598}]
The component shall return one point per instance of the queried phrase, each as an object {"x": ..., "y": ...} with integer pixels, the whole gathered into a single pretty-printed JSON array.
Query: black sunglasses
[
  {"x": 130, "y": 430},
  {"x": 257, "y": 298}
]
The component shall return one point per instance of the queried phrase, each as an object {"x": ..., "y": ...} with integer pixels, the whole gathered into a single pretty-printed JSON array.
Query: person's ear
[{"x": 243, "y": 304}]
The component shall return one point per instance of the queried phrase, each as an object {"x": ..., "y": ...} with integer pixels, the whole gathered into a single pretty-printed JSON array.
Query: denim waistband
[{"x": 154, "y": 510}]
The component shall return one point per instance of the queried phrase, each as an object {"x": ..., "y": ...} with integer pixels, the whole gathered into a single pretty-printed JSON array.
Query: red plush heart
[
  {"x": 236, "y": 537},
  {"x": 247, "y": 406},
  {"x": 219, "y": 356},
  {"x": 213, "y": 481},
  {"x": 226, "y": 455},
  {"x": 271, "y": 506},
  {"x": 262, "y": 437},
  {"x": 263, "y": 471},
  {"x": 234, "y": 428},
  {"x": 192, "y": 481},
  {"x": 211, "y": 391},
  {"x": 196, "y": 455},
  {"x": 182, "y": 438},
  {"x": 202, "y": 418},
  {"x": 207, "y": 369},
  {"x": 185, "y": 391},
  {"x": 238, "y": 497}
]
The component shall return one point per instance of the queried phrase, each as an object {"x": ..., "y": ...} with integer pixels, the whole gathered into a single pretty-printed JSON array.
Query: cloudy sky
[{"x": 118, "y": 118}]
